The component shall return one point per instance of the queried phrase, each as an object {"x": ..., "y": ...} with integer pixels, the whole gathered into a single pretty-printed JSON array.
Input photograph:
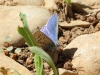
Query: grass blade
[
  {"x": 27, "y": 35},
  {"x": 45, "y": 56}
]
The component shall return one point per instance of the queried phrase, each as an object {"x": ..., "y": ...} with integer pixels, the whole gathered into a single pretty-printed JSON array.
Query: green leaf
[
  {"x": 39, "y": 68},
  {"x": 10, "y": 48},
  {"x": 8, "y": 38},
  {"x": 17, "y": 50},
  {"x": 68, "y": 1},
  {"x": 27, "y": 35},
  {"x": 45, "y": 56},
  {"x": 1, "y": 50}
]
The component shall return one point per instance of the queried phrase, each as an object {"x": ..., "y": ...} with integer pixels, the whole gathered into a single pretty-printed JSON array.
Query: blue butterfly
[
  {"x": 51, "y": 28},
  {"x": 47, "y": 36}
]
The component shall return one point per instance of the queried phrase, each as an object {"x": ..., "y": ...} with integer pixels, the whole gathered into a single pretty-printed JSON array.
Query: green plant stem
[{"x": 27, "y": 35}]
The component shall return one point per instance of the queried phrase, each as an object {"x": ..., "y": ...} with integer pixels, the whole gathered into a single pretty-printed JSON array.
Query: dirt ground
[{"x": 66, "y": 35}]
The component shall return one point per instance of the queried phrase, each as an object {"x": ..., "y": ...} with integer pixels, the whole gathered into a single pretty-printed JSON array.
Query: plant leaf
[
  {"x": 1, "y": 50},
  {"x": 8, "y": 38},
  {"x": 27, "y": 35},
  {"x": 45, "y": 56},
  {"x": 68, "y": 1},
  {"x": 10, "y": 48},
  {"x": 17, "y": 50},
  {"x": 39, "y": 68}
]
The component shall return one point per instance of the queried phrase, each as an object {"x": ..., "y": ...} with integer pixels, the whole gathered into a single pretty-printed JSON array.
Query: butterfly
[{"x": 47, "y": 36}]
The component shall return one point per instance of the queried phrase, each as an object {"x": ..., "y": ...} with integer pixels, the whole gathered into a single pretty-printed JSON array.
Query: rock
[
  {"x": 85, "y": 51},
  {"x": 92, "y": 3},
  {"x": 7, "y": 62},
  {"x": 97, "y": 28},
  {"x": 76, "y": 7},
  {"x": 98, "y": 15},
  {"x": 21, "y": 2},
  {"x": 1, "y": 73},
  {"x": 46, "y": 65},
  {"x": 50, "y": 4},
  {"x": 74, "y": 23},
  {"x": 64, "y": 72},
  {"x": 10, "y": 20},
  {"x": 58, "y": 1},
  {"x": 68, "y": 65},
  {"x": 28, "y": 2},
  {"x": 85, "y": 6}
]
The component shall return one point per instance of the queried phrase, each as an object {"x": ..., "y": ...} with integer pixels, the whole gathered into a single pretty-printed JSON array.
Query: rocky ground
[{"x": 79, "y": 29}]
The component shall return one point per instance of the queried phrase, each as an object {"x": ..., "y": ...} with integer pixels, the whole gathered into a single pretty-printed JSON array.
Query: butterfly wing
[
  {"x": 51, "y": 28},
  {"x": 44, "y": 41}
]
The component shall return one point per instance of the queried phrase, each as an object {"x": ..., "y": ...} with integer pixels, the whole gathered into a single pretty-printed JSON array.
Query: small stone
[
  {"x": 21, "y": 2},
  {"x": 46, "y": 65},
  {"x": 74, "y": 23},
  {"x": 29, "y": 60},
  {"x": 64, "y": 72},
  {"x": 68, "y": 65},
  {"x": 50, "y": 4},
  {"x": 98, "y": 15}
]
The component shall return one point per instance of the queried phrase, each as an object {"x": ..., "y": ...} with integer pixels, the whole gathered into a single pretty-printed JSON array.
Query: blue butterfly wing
[{"x": 51, "y": 28}]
